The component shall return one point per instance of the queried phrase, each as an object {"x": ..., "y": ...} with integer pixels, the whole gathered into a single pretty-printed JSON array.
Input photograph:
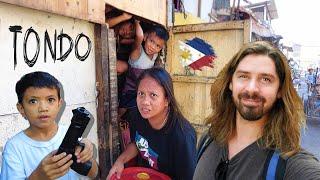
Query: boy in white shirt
[{"x": 31, "y": 154}]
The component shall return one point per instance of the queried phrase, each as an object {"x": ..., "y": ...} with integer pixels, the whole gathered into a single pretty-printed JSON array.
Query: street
[
  {"x": 311, "y": 99},
  {"x": 310, "y": 137}
]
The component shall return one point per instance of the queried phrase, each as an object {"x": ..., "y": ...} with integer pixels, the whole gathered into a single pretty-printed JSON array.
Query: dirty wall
[{"x": 24, "y": 47}]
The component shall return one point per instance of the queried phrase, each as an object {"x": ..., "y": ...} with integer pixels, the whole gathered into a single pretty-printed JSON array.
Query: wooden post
[
  {"x": 106, "y": 84},
  {"x": 114, "y": 130},
  {"x": 247, "y": 31},
  {"x": 101, "y": 55}
]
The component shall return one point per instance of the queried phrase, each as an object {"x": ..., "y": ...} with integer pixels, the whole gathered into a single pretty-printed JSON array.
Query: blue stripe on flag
[{"x": 201, "y": 46}]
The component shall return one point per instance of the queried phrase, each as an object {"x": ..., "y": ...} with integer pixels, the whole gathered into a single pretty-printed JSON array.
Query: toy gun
[{"x": 79, "y": 122}]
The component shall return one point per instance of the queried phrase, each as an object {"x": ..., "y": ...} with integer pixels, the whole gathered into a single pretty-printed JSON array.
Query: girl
[{"x": 162, "y": 138}]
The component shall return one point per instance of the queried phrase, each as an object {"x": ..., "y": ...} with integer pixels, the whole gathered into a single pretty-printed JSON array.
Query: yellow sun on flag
[{"x": 185, "y": 55}]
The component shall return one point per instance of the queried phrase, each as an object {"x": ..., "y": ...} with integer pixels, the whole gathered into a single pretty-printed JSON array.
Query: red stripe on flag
[{"x": 204, "y": 61}]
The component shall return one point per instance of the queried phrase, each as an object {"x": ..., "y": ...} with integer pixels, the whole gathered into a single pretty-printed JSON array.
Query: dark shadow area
[{"x": 63, "y": 106}]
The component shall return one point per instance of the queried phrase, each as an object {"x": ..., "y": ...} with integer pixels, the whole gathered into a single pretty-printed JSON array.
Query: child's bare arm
[
  {"x": 118, "y": 166},
  {"x": 136, "y": 51},
  {"x": 116, "y": 20}
]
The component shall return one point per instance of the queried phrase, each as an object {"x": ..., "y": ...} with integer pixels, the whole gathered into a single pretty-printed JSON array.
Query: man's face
[
  {"x": 153, "y": 44},
  {"x": 255, "y": 87},
  {"x": 40, "y": 106}
]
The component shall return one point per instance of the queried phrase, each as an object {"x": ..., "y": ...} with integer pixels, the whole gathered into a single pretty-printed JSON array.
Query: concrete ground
[{"x": 311, "y": 137}]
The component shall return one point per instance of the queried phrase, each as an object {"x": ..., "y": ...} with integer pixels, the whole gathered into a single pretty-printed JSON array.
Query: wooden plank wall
[
  {"x": 154, "y": 10},
  {"x": 192, "y": 89},
  {"x": 92, "y": 11}
]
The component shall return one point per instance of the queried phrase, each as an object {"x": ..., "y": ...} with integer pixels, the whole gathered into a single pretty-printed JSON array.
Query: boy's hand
[
  {"x": 86, "y": 154},
  {"x": 52, "y": 166},
  {"x": 117, "y": 168}
]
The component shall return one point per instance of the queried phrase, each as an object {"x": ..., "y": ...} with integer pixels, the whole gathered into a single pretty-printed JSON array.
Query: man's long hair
[{"x": 282, "y": 129}]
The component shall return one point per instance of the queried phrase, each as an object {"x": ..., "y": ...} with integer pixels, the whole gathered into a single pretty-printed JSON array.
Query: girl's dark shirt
[{"x": 171, "y": 151}]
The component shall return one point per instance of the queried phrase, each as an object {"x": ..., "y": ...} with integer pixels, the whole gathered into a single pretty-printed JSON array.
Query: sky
[{"x": 297, "y": 21}]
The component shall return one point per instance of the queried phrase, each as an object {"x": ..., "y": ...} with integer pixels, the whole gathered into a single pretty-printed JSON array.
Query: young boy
[
  {"x": 31, "y": 154},
  {"x": 145, "y": 52}
]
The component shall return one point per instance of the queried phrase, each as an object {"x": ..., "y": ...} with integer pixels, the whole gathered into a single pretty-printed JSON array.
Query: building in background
[{"x": 215, "y": 11}]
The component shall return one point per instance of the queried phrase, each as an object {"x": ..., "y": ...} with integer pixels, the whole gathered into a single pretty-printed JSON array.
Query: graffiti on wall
[{"x": 31, "y": 59}]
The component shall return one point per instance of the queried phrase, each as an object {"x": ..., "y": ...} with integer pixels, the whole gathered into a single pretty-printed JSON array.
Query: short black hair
[
  {"x": 37, "y": 79},
  {"x": 160, "y": 31}
]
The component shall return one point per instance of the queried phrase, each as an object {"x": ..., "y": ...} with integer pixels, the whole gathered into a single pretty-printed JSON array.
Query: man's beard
[{"x": 247, "y": 112}]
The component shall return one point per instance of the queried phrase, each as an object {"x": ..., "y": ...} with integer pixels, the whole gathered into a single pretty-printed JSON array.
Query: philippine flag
[{"x": 196, "y": 53}]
